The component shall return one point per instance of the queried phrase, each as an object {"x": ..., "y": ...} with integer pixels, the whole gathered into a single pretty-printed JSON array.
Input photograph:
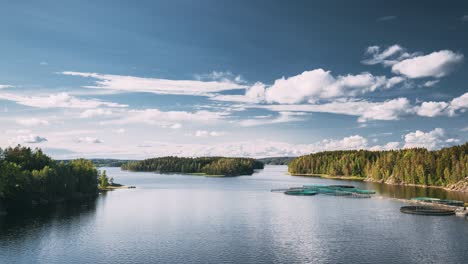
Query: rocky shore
[{"x": 461, "y": 186}]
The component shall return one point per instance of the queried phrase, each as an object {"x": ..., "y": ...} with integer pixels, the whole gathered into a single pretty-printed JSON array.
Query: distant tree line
[
  {"x": 414, "y": 166},
  {"x": 276, "y": 160},
  {"x": 104, "y": 162},
  {"x": 208, "y": 165},
  {"x": 29, "y": 176}
]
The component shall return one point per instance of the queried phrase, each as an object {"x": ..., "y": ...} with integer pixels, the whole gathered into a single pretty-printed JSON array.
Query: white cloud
[
  {"x": 255, "y": 148},
  {"x": 169, "y": 119},
  {"x": 437, "y": 64},
  {"x": 31, "y": 121},
  {"x": 4, "y": 86},
  {"x": 320, "y": 84},
  {"x": 283, "y": 117},
  {"x": 388, "y": 146},
  {"x": 60, "y": 100},
  {"x": 431, "y": 109},
  {"x": 459, "y": 103},
  {"x": 205, "y": 133},
  {"x": 431, "y": 140},
  {"x": 220, "y": 76},
  {"x": 387, "y": 110},
  {"x": 377, "y": 57},
  {"x": 157, "y": 86},
  {"x": 431, "y": 83},
  {"x": 28, "y": 138},
  {"x": 95, "y": 112},
  {"x": 253, "y": 94},
  {"x": 89, "y": 140}
]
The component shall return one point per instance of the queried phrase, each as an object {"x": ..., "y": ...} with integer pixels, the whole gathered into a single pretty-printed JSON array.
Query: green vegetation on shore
[
  {"x": 408, "y": 166},
  {"x": 208, "y": 165},
  {"x": 29, "y": 177}
]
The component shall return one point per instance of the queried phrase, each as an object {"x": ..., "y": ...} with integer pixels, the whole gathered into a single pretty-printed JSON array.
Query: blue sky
[{"x": 134, "y": 79}]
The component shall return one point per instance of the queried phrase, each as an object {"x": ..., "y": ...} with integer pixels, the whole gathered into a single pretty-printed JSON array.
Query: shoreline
[
  {"x": 449, "y": 188},
  {"x": 111, "y": 188},
  {"x": 325, "y": 176}
]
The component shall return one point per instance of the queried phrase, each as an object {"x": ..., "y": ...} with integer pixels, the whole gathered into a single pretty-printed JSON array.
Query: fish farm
[
  {"x": 426, "y": 210},
  {"x": 333, "y": 190},
  {"x": 438, "y": 201}
]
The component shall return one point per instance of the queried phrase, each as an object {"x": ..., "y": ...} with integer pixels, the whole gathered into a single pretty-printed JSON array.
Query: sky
[{"x": 139, "y": 79}]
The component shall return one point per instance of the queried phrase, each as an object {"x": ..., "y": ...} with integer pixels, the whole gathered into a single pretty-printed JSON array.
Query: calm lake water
[{"x": 194, "y": 219}]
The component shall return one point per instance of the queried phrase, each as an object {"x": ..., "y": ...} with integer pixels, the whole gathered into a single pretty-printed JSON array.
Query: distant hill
[{"x": 276, "y": 160}]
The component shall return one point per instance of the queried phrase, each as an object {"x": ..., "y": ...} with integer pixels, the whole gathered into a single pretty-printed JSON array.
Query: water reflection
[{"x": 183, "y": 219}]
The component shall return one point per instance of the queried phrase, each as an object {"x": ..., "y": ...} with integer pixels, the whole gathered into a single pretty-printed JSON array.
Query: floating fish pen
[
  {"x": 450, "y": 202},
  {"x": 303, "y": 192},
  {"x": 438, "y": 201},
  {"x": 333, "y": 190},
  {"x": 425, "y": 199},
  {"x": 426, "y": 210}
]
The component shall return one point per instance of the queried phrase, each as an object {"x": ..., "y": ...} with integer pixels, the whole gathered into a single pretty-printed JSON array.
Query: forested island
[
  {"x": 29, "y": 177},
  {"x": 444, "y": 167},
  {"x": 219, "y": 166}
]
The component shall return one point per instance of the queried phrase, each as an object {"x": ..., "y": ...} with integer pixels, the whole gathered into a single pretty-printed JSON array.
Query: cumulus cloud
[
  {"x": 414, "y": 65},
  {"x": 460, "y": 103},
  {"x": 431, "y": 109},
  {"x": 430, "y": 140},
  {"x": 364, "y": 110},
  {"x": 60, "y": 100},
  {"x": 31, "y": 121},
  {"x": 437, "y": 64},
  {"x": 321, "y": 84},
  {"x": 283, "y": 117},
  {"x": 89, "y": 140},
  {"x": 28, "y": 138},
  {"x": 157, "y": 86},
  {"x": 311, "y": 86}
]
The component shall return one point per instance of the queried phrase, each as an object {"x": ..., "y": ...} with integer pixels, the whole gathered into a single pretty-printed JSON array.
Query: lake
[{"x": 194, "y": 219}]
